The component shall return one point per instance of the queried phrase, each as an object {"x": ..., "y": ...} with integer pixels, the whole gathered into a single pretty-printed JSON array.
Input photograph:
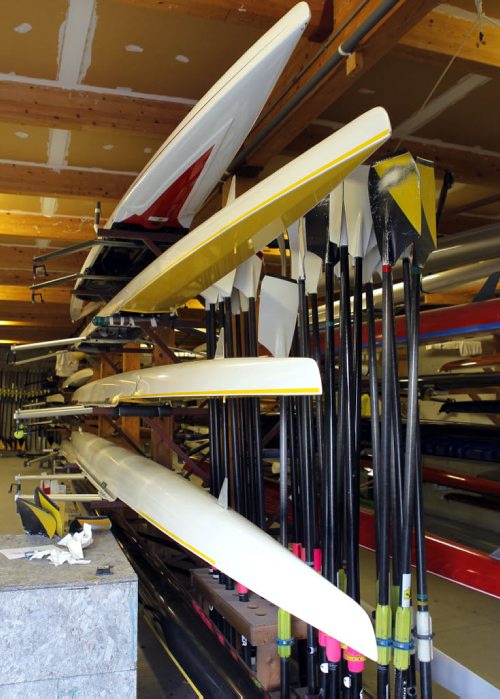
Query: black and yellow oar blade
[
  {"x": 97, "y": 522},
  {"x": 35, "y": 520},
  {"x": 394, "y": 190},
  {"x": 42, "y": 500},
  {"x": 428, "y": 238}
]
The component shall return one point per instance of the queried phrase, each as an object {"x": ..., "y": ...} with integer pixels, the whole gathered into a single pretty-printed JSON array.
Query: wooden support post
[
  {"x": 131, "y": 426},
  {"x": 160, "y": 452}
]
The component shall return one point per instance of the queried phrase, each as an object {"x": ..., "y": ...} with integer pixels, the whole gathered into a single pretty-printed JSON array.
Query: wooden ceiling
[{"x": 89, "y": 89}]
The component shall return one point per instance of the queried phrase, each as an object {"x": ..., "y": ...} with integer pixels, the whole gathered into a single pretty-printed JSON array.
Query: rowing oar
[
  {"x": 396, "y": 211},
  {"x": 422, "y": 248},
  {"x": 246, "y": 281},
  {"x": 363, "y": 249},
  {"x": 347, "y": 437},
  {"x": 277, "y": 320},
  {"x": 306, "y": 448}
]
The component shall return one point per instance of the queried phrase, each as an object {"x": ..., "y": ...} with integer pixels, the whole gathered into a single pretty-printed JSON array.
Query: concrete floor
[{"x": 466, "y": 623}]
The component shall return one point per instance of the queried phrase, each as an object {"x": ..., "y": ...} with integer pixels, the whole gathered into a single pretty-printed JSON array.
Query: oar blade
[
  {"x": 428, "y": 239},
  {"x": 279, "y": 304},
  {"x": 394, "y": 191},
  {"x": 358, "y": 214}
]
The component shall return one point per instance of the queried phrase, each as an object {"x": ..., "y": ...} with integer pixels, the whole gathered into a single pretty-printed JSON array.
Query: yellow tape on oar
[{"x": 394, "y": 188}]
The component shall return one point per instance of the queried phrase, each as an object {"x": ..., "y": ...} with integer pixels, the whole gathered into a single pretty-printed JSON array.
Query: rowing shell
[
  {"x": 222, "y": 538},
  {"x": 175, "y": 182},
  {"x": 77, "y": 379},
  {"x": 240, "y": 376},
  {"x": 251, "y": 222}
]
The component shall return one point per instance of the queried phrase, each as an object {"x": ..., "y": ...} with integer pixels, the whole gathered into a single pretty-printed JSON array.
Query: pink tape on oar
[
  {"x": 297, "y": 550},
  {"x": 322, "y": 637},
  {"x": 242, "y": 592},
  {"x": 317, "y": 560},
  {"x": 355, "y": 661},
  {"x": 333, "y": 650}
]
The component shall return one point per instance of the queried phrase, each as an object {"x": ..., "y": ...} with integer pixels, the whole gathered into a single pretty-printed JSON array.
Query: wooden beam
[
  {"x": 20, "y": 293},
  {"x": 444, "y": 36},
  {"x": 308, "y": 61},
  {"x": 17, "y": 334},
  {"x": 257, "y": 13},
  {"x": 20, "y": 258},
  {"x": 24, "y": 278},
  {"x": 55, "y": 107},
  {"x": 41, "y": 180},
  {"x": 55, "y": 313},
  {"x": 58, "y": 230}
]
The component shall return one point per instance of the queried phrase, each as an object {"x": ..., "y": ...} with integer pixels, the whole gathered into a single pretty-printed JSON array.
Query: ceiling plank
[
  {"x": 40, "y": 180},
  {"x": 258, "y": 13},
  {"x": 308, "y": 61},
  {"x": 54, "y": 229},
  {"x": 22, "y": 334},
  {"x": 55, "y": 107},
  {"x": 18, "y": 258},
  {"x": 25, "y": 310},
  {"x": 445, "y": 35},
  {"x": 9, "y": 292},
  {"x": 24, "y": 278}
]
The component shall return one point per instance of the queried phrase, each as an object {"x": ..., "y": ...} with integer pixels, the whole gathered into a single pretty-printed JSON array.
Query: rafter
[
  {"x": 9, "y": 292},
  {"x": 308, "y": 62},
  {"x": 444, "y": 35},
  {"x": 258, "y": 13},
  {"x": 58, "y": 230},
  {"x": 53, "y": 313},
  {"x": 55, "y": 107},
  {"x": 40, "y": 180},
  {"x": 33, "y": 334},
  {"x": 20, "y": 258}
]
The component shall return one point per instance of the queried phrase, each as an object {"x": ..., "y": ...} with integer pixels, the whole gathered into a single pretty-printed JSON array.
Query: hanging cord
[
  {"x": 448, "y": 66},
  {"x": 480, "y": 17}
]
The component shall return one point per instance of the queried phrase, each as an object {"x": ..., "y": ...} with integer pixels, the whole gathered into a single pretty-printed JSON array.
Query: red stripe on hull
[{"x": 168, "y": 205}]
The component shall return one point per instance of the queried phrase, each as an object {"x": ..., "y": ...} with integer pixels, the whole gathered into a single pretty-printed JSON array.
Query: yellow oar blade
[
  {"x": 394, "y": 189},
  {"x": 428, "y": 239}
]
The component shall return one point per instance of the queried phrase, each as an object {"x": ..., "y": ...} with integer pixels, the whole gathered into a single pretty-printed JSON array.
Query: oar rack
[{"x": 255, "y": 621}]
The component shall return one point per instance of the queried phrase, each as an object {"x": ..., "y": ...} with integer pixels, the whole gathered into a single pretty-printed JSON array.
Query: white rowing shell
[
  {"x": 224, "y": 539},
  {"x": 77, "y": 379},
  {"x": 253, "y": 220},
  {"x": 175, "y": 182},
  {"x": 245, "y": 376}
]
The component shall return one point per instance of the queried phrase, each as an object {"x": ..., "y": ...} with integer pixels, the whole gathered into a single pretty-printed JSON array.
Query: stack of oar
[{"x": 376, "y": 216}]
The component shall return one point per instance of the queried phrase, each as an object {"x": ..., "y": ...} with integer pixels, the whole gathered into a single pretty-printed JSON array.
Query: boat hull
[{"x": 224, "y": 539}]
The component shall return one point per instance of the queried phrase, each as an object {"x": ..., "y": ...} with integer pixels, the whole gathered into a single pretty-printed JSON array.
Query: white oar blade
[
  {"x": 337, "y": 225},
  {"x": 211, "y": 296},
  {"x": 357, "y": 211},
  {"x": 313, "y": 265},
  {"x": 224, "y": 539},
  {"x": 247, "y": 276},
  {"x": 294, "y": 245},
  {"x": 371, "y": 262},
  {"x": 279, "y": 305},
  {"x": 225, "y": 285}
]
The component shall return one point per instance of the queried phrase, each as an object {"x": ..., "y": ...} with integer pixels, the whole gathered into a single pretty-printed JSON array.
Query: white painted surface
[{"x": 225, "y": 539}]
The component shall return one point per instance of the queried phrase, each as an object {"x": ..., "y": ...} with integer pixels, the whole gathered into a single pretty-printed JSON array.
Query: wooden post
[
  {"x": 159, "y": 450},
  {"x": 131, "y": 425}
]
